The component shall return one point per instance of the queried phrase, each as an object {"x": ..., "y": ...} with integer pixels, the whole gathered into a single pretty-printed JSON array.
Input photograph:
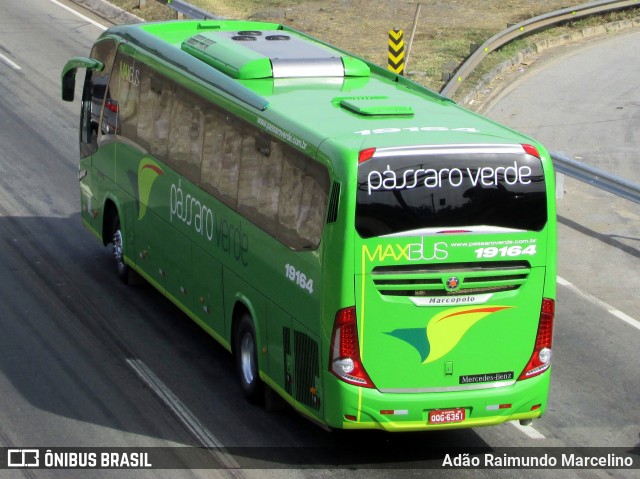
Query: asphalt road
[
  {"x": 584, "y": 101},
  {"x": 87, "y": 361}
]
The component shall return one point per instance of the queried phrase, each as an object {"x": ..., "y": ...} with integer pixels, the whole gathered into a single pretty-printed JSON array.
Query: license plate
[{"x": 444, "y": 416}]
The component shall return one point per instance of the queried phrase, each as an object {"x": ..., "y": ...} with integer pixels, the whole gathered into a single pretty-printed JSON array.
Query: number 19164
[
  {"x": 298, "y": 277},
  {"x": 511, "y": 251}
]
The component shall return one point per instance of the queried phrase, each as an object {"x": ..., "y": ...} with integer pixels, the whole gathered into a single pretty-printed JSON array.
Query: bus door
[{"x": 95, "y": 90}]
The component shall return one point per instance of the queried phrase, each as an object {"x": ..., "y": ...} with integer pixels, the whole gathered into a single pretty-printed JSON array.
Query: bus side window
[
  {"x": 259, "y": 183},
  {"x": 93, "y": 97},
  {"x": 154, "y": 113},
  {"x": 303, "y": 201},
  {"x": 214, "y": 133},
  {"x": 128, "y": 81},
  {"x": 276, "y": 187},
  {"x": 146, "y": 113},
  {"x": 186, "y": 135},
  {"x": 230, "y": 168},
  {"x": 312, "y": 212}
]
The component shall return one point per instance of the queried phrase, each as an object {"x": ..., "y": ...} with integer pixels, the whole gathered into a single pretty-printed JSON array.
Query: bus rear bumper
[{"x": 371, "y": 409}]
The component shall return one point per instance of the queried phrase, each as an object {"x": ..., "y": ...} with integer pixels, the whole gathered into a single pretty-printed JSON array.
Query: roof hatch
[
  {"x": 252, "y": 54},
  {"x": 374, "y": 106}
]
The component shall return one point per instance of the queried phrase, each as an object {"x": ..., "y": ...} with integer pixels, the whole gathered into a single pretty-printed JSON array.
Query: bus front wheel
[
  {"x": 122, "y": 269},
  {"x": 246, "y": 354}
]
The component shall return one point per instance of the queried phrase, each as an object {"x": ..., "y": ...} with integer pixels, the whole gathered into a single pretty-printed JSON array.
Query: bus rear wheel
[{"x": 246, "y": 355}]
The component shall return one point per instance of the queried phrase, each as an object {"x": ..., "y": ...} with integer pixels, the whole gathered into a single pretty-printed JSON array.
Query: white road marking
[
  {"x": 8, "y": 61},
  {"x": 183, "y": 413},
  {"x": 78, "y": 14},
  {"x": 530, "y": 431},
  {"x": 606, "y": 306}
]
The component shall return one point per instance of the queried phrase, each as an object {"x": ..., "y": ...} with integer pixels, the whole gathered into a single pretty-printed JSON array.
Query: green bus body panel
[
  {"x": 472, "y": 339},
  {"x": 424, "y": 347}
]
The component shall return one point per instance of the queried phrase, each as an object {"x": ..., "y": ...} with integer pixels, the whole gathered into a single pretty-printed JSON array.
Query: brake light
[
  {"x": 345, "y": 360},
  {"x": 366, "y": 154},
  {"x": 531, "y": 150},
  {"x": 541, "y": 357}
]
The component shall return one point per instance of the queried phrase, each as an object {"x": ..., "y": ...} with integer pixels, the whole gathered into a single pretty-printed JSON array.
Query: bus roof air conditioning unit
[{"x": 246, "y": 55}]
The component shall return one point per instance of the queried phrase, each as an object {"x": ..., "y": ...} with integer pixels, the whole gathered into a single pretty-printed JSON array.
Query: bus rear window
[{"x": 449, "y": 188}]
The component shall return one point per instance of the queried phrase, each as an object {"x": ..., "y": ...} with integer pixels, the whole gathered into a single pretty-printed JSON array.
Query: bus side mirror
[
  {"x": 68, "y": 76},
  {"x": 68, "y": 85}
]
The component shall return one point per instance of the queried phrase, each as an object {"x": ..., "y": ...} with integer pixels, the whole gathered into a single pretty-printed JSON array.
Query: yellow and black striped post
[{"x": 396, "y": 51}]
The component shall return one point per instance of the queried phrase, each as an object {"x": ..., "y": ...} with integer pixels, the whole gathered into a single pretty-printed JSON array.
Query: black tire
[
  {"x": 246, "y": 355},
  {"x": 117, "y": 240}
]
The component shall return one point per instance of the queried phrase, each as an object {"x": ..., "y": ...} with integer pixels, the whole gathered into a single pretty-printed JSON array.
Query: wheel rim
[
  {"x": 118, "y": 253},
  {"x": 246, "y": 358}
]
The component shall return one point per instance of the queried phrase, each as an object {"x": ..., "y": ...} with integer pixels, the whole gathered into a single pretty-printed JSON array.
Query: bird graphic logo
[
  {"x": 444, "y": 331},
  {"x": 148, "y": 172}
]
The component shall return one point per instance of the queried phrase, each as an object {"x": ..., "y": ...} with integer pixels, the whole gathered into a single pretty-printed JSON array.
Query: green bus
[{"x": 372, "y": 252}]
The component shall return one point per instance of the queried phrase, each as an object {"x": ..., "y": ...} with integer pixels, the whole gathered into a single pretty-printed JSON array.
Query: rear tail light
[
  {"x": 541, "y": 357},
  {"x": 366, "y": 154},
  {"x": 531, "y": 150},
  {"x": 345, "y": 360}
]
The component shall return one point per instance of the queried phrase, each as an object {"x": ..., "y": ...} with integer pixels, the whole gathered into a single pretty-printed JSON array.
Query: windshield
[{"x": 445, "y": 188}]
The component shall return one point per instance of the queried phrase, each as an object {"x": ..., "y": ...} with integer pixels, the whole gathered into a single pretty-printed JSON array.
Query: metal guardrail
[
  {"x": 189, "y": 11},
  {"x": 526, "y": 27},
  {"x": 595, "y": 177}
]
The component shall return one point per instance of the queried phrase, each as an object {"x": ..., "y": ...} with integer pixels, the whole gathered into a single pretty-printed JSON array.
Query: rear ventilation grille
[
  {"x": 436, "y": 280},
  {"x": 334, "y": 200},
  {"x": 286, "y": 343},
  {"x": 307, "y": 370}
]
